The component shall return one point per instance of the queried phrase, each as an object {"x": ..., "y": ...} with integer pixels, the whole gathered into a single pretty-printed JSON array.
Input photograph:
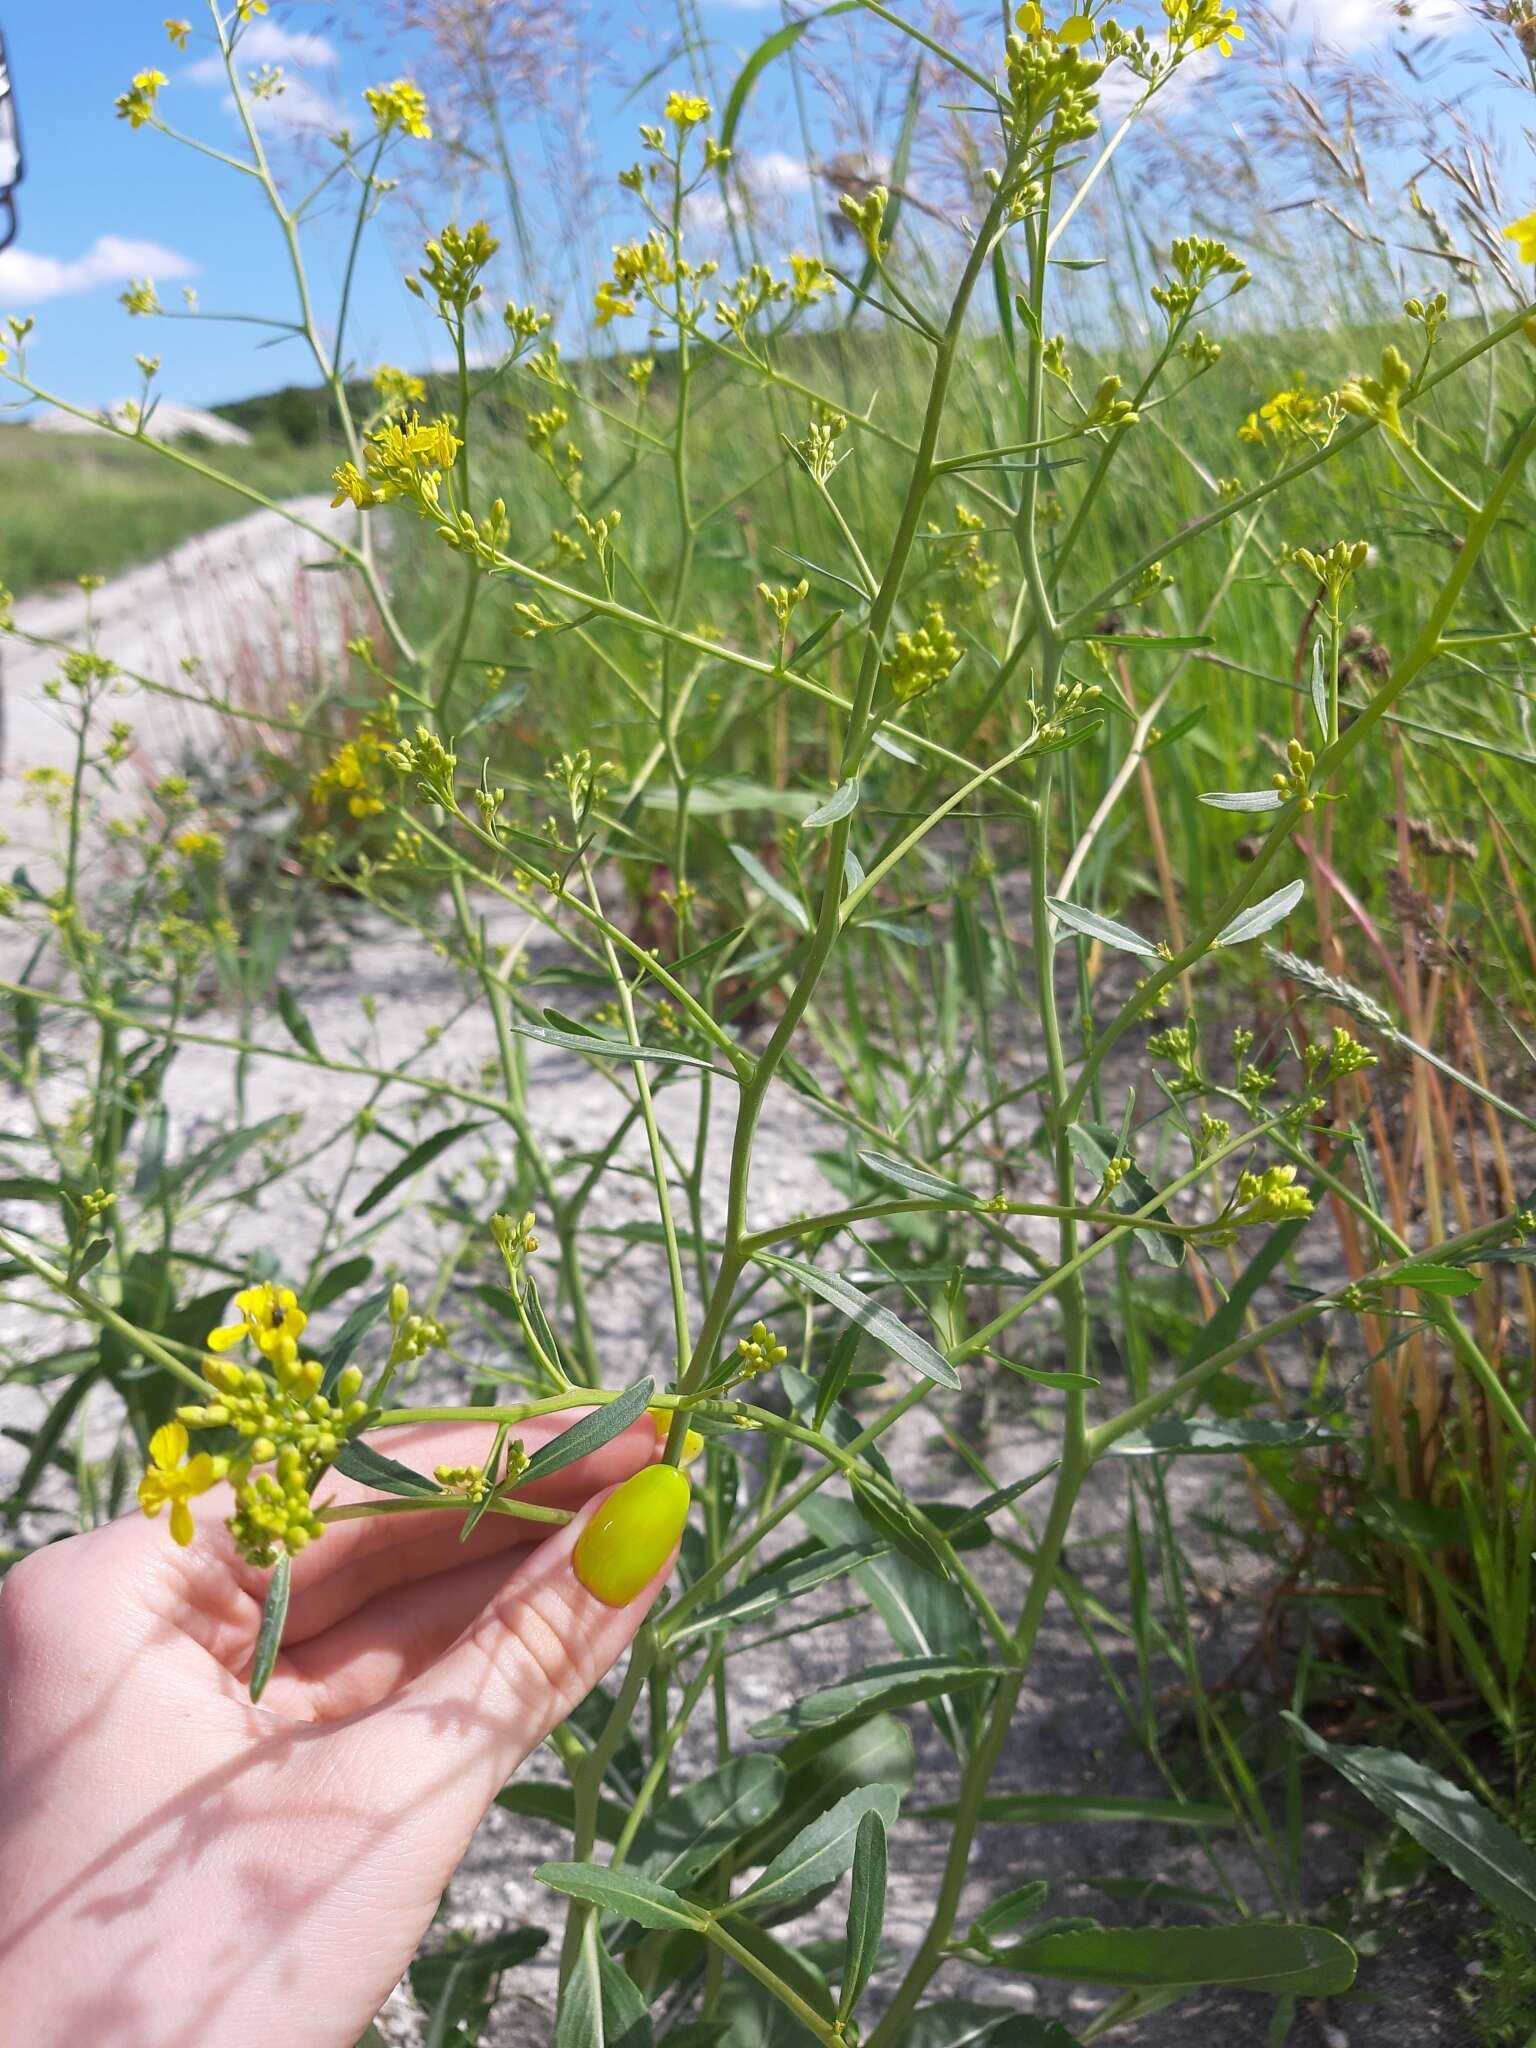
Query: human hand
[{"x": 180, "y": 1868}]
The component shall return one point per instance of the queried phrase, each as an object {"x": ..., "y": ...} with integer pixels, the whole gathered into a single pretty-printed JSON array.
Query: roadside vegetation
[{"x": 1065, "y": 735}]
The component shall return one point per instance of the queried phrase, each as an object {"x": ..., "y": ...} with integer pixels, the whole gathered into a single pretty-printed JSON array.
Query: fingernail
[
  {"x": 632, "y": 1535},
  {"x": 693, "y": 1443}
]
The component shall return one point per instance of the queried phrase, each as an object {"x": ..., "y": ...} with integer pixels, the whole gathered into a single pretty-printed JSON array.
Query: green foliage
[{"x": 1053, "y": 725}]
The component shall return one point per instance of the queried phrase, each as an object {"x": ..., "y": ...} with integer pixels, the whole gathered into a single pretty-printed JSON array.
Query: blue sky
[{"x": 102, "y": 203}]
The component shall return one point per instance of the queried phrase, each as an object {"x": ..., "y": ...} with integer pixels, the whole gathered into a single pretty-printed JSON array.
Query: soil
[{"x": 1068, "y": 1735}]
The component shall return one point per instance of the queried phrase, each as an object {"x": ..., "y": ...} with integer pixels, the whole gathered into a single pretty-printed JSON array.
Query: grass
[{"x": 75, "y": 506}]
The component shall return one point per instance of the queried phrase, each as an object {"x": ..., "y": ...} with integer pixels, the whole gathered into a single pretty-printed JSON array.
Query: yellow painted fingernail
[
  {"x": 632, "y": 1535},
  {"x": 693, "y": 1443}
]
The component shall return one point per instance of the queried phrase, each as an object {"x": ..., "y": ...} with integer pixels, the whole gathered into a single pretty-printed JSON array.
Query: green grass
[{"x": 90, "y": 506}]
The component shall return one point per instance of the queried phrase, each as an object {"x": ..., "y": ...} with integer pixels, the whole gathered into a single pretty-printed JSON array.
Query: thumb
[{"x": 550, "y": 1631}]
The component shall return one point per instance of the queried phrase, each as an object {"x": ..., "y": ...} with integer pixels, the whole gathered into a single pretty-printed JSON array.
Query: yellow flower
[
  {"x": 270, "y": 1317},
  {"x": 178, "y": 31},
  {"x": 351, "y": 483},
  {"x": 400, "y": 105},
  {"x": 169, "y": 1480},
  {"x": 199, "y": 845},
  {"x": 245, "y": 9},
  {"x": 611, "y": 302},
  {"x": 686, "y": 109},
  {"x": 137, "y": 105},
  {"x": 1523, "y": 234},
  {"x": 398, "y": 389}
]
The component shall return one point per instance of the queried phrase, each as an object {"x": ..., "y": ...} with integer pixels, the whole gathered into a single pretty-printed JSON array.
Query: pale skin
[{"x": 182, "y": 1869}]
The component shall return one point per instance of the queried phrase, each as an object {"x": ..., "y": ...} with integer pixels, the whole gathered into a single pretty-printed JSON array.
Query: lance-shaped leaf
[
  {"x": 689, "y": 1833},
  {"x": 1443, "y": 1818},
  {"x": 588, "y": 1435},
  {"x": 820, "y": 1853},
  {"x": 1242, "y": 799},
  {"x": 767, "y": 1592},
  {"x": 274, "y": 1612},
  {"x": 842, "y": 800},
  {"x": 418, "y": 1157},
  {"x": 623, "y": 1891},
  {"x": 879, "y": 1322},
  {"x": 1092, "y": 926},
  {"x": 1258, "y": 917},
  {"x": 1208, "y": 1436},
  {"x": 1306, "y": 1962},
  {"x": 1096, "y": 1145},
  {"x": 771, "y": 886},
  {"x": 386, "y": 1475},
  {"x": 866, "y": 1911},
  {"x": 913, "y": 1181},
  {"x": 600, "y": 2006},
  {"x": 876, "y": 1691}
]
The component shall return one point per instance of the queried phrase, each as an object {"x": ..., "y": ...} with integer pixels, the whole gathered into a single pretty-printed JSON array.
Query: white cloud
[
  {"x": 776, "y": 172},
  {"x": 264, "y": 42},
  {"x": 27, "y": 279},
  {"x": 1353, "y": 24},
  {"x": 300, "y": 105}
]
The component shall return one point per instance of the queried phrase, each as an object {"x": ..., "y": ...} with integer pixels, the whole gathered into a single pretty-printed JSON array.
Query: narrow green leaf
[
  {"x": 588, "y": 1435},
  {"x": 457, "y": 1985},
  {"x": 875, "y": 1691},
  {"x": 781, "y": 40},
  {"x": 339, "y": 1280},
  {"x": 1243, "y": 799},
  {"x": 1211, "y": 1435},
  {"x": 623, "y": 1891},
  {"x": 601, "y": 1045},
  {"x": 269, "y": 1638},
  {"x": 339, "y": 1352},
  {"x": 769, "y": 1591},
  {"x": 419, "y": 1156},
  {"x": 1022, "y": 1807},
  {"x": 1455, "y": 1828},
  {"x": 600, "y": 2006},
  {"x": 881, "y": 1323},
  {"x": 842, "y": 800},
  {"x": 1256, "y": 1956},
  {"x": 1428, "y": 1278},
  {"x": 1022, "y": 1903},
  {"x": 913, "y": 1181},
  {"x": 1104, "y": 929},
  {"x": 556, "y": 1803},
  {"x": 1259, "y": 917},
  {"x": 866, "y": 1911},
  {"x": 820, "y": 1853},
  {"x": 1319, "y": 688},
  {"x": 687, "y": 1834},
  {"x": 359, "y": 1461},
  {"x": 300, "y": 1030},
  {"x": 957, "y": 2023},
  {"x": 770, "y": 885}
]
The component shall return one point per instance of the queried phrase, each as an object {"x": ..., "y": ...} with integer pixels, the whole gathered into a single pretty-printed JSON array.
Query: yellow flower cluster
[
  {"x": 402, "y": 458},
  {"x": 1522, "y": 233},
  {"x": 758, "y": 1352},
  {"x": 1291, "y": 416},
  {"x": 686, "y": 109},
  {"x": 1198, "y": 24},
  {"x": 400, "y": 105},
  {"x": 356, "y": 768},
  {"x": 137, "y": 105},
  {"x": 284, "y": 1421},
  {"x": 922, "y": 658},
  {"x": 397, "y": 389}
]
